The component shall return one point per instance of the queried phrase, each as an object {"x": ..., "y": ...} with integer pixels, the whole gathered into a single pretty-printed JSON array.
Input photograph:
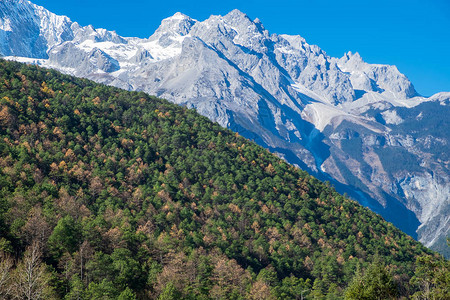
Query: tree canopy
[{"x": 126, "y": 196}]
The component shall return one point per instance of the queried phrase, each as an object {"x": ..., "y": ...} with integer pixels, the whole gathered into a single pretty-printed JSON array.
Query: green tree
[
  {"x": 294, "y": 288},
  {"x": 317, "y": 292},
  {"x": 76, "y": 289},
  {"x": 105, "y": 290},
  {"x": 432, "y": 278},
  {"x": 170, "y": 292},
  {"x": 66, "y": 236},
  {"x": 127, "y": 271},
  {"x": 127, "y": 294},
  {"x": 377, "y": 283}
]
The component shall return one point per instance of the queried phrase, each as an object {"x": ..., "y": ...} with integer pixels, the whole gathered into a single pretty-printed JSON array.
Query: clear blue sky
[{"x": 414, "y": 35}]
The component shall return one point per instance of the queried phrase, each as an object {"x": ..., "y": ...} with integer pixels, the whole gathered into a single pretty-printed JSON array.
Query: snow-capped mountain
[
  {"x": 361, "y": 126},
  {"x": 29, "y": 30}
]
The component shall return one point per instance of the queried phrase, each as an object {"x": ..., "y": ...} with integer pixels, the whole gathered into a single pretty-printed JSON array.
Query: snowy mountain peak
[
  {"x": 242, "y": 22},
  {"x": 178, "y": 24},
  {"x": 383, "y": 79},
  {"x": 236, "y": 15},
  {"x": 24, "y": 4},
  {"x": 354, "y": 57},
  {"x": 96, "y": 35},
  {"x": 29, "y": 30},
  {"x": 178, "y": 16}
]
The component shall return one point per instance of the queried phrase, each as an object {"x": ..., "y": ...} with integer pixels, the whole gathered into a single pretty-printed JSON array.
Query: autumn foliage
[{"x": 109, "y": 194}]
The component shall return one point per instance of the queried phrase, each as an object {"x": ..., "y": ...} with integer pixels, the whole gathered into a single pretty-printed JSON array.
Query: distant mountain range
[{"x": 361, "y": 126}]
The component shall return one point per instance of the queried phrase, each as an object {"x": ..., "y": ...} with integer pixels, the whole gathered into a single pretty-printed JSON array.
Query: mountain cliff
[{"x": 361, "y": 126}]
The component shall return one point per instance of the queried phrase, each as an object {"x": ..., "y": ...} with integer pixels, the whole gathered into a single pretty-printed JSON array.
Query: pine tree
[{"x": 376, "y": 283}]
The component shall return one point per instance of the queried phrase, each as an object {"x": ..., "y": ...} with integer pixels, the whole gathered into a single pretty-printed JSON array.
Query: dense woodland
[{"x": 110, "y": 194}]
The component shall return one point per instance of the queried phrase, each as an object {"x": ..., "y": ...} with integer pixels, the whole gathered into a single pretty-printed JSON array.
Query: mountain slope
[
  {"x": 126, "y": 194},
  {"x": 343, "y": 120}
]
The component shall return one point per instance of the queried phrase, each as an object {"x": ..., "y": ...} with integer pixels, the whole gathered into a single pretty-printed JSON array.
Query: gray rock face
[
  {"x": 29, "y": 30},
  {"x": 361, "y": 126},
  {"x": 377, "y": 78}
]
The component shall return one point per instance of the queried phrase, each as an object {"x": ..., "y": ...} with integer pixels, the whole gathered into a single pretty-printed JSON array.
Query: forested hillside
[{"x": 109, "y": 194}]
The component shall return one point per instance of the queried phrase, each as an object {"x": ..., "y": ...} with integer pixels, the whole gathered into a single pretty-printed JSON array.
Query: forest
[{"x": 111, "y": 194}]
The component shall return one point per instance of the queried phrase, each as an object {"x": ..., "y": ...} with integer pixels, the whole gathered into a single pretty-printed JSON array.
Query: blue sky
[{"x": 414, "y": 35}]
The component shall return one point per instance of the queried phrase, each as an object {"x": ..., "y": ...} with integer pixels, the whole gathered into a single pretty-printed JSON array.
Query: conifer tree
[{"x": 377, "y": 283}]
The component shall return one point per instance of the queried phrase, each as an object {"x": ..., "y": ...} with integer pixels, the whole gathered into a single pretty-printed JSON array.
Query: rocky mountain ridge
[{"x": 361, "y": 126}]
